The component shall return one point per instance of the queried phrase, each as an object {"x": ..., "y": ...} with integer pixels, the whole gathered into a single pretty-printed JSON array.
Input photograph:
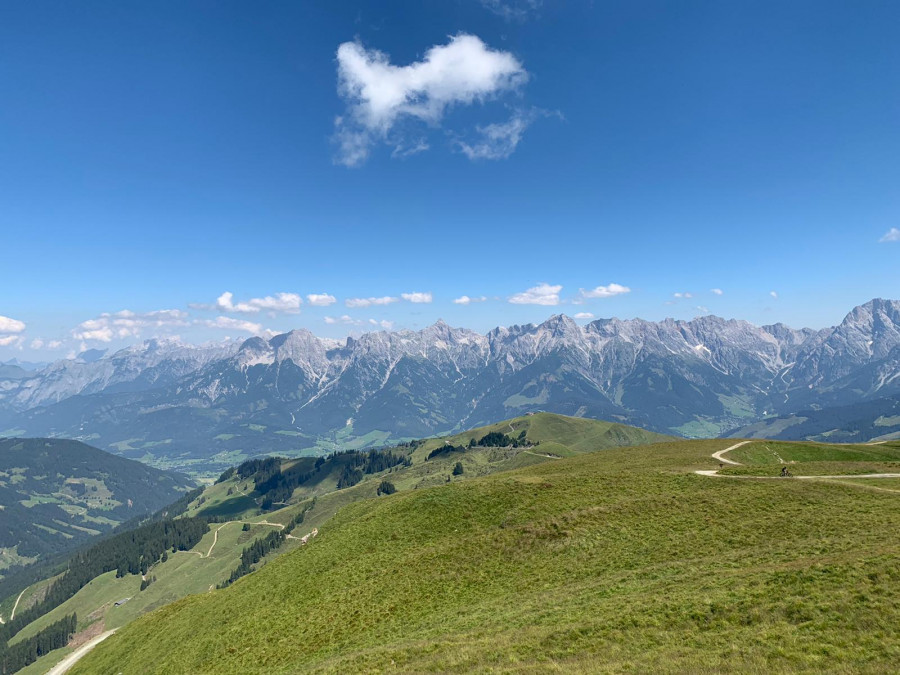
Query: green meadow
[{"x": 622, "y": 560}]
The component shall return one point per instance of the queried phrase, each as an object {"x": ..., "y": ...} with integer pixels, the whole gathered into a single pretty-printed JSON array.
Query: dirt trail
[
  {"x": 66, "y": 664},
  {"x": 842, "y": 478},
  {"x": 537, "y": 454},
  {"x": 12, "y": 614},
  {"x": 233, "y": 522},
  {"x": 718, "y": 455}
]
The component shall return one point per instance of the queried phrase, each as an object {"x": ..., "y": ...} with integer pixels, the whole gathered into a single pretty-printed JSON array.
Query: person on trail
[{"x": 784, "y": 471}]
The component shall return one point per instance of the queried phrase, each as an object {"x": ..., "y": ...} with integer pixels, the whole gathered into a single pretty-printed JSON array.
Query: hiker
[{"x": 784, "y": 471}]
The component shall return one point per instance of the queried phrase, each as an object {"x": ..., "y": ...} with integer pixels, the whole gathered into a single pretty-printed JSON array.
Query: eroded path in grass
[
  {"x": 66, "y": 664},
  {"x": 842, "y": 478},
  {"x": 232, "y": 522},
  {"x": 12, "y": 614},
  {"x": 718, "y": 455}
]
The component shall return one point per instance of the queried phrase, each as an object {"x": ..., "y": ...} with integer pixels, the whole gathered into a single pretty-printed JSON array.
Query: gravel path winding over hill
[
  {"x": 66, "y": 664},
  {"x": 719, "y": 457}
]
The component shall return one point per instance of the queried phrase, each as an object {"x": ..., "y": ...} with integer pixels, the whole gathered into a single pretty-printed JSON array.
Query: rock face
[{"x": 698, "y": 378}]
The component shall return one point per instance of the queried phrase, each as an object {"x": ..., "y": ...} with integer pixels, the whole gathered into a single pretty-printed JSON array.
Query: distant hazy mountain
[
  {"x": 56, "y": 493},
  {"x": 213, "y": 405}
]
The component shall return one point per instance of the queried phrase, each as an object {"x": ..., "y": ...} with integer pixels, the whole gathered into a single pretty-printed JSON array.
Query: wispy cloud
[
  {"x": 542, "y": 294},
  {"x": 584, "y": 315},
  {"x": 320, "y": 299},
  {"x": 774, "y": 294},
  {"x": 41, "y": 343},
  {"x": 603, "y": 291},
  {"x": 287, "y": 303},
  {"x": 498, "y": 140},
  {"x": 368, "y": 302},
  {"x": 466, "y": 300},
  {"x": 231, "y": 323},
  {"x": 683, "y": 296},
  {"x": 716, "y": 291},
  {"x": 512, "y": 9},
  {"x": 379, "y": 95},
  {"x": 350, "y": 321},
  {"x": 891, "y": 235},
  {"x": 125, "y": 324}
]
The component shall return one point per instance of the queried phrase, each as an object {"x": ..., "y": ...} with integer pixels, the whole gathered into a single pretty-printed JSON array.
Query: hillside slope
[
  {"x": 872, "y": 420},
  {"x": 56, "y": 493},
  {"x": 618, "y": 560}
]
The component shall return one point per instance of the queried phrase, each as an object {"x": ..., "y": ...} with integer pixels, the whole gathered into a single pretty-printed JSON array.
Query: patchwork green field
[{"x": 622, "y": 560}]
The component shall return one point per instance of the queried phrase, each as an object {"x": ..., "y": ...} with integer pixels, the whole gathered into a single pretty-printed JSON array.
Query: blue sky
[{"x": 158, "y": 155}]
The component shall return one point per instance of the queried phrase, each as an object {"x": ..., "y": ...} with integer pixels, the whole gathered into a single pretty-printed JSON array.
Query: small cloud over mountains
[
  {"x": 542, "y": 294},
  {"x": 604, "y": 291}
]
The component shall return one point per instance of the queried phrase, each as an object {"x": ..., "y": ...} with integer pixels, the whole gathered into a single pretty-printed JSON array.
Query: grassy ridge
[{"x": 621, "y": 560}]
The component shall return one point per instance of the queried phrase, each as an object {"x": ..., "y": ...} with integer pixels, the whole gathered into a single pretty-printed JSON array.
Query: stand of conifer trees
[
  {"x": 126, "y": 553},
  {"x": 14, "y": 658},
  {"x": 262, "y": 547}
]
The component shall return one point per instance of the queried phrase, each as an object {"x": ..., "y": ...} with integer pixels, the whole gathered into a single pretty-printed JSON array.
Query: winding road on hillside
[
  {"x": 12, "y": 614},
  {"x": 66, "y": 664},
  {"x": 232, "y": 522},
  {"x": 718, "y": 456}
]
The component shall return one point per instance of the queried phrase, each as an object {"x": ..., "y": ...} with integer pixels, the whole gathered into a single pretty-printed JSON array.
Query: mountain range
[{"x": 203, "y": 407}]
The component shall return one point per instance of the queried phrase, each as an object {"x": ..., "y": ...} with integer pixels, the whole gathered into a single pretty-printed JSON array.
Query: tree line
[
  {"x": 276, "y": 485},
  {"x": 128, "y": 553},
  {"x": 493, "y": 439},
  {"x": 361, "y": 464},
  {"x": 261, "y": 547},
  {"x": 14, "y": 658}
]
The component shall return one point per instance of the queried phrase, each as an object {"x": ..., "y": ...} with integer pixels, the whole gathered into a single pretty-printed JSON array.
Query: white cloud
[
  {"x": 368, "y": 302},
  {"x": 125, "y": 324},
  {"x": 379, "y": 94},
  {"x": 10, "y": 340},
  {"x": 584, "y": 315},
  {"x": 346, "y": 318},
  {"x": 498, "y": 140},
  {"x": 41, "y": 343},
  {"x": 320, "y": 299},
  {"x": 288, "y": 303},
  {"x": 418, "y": 298},
  {"x": 230, "y": 323},
  {"x": 465, "y": 300},
  {"x": 716, "y": 291},
  {"x": 387, "y": 325},
  {"x": 891, "y": 235},
  {"x": 604, "y": 291},
  {"x": 702, "y": 309},
  {"x": 542, "y": 294},
  {"x": 773, "y": 294},
  {"x": 682, "y": 295},
  {"x": 8, "y": 325}
]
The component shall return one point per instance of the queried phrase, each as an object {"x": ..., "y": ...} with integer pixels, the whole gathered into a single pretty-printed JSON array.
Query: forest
[{"x": 14, "y": 658}]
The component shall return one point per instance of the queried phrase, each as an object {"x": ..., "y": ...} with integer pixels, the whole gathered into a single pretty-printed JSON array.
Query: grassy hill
[
  {"x": 239, "y": 500},
  {"x": 623, "y": 560},
  {"x": 55, "y": 494}
]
